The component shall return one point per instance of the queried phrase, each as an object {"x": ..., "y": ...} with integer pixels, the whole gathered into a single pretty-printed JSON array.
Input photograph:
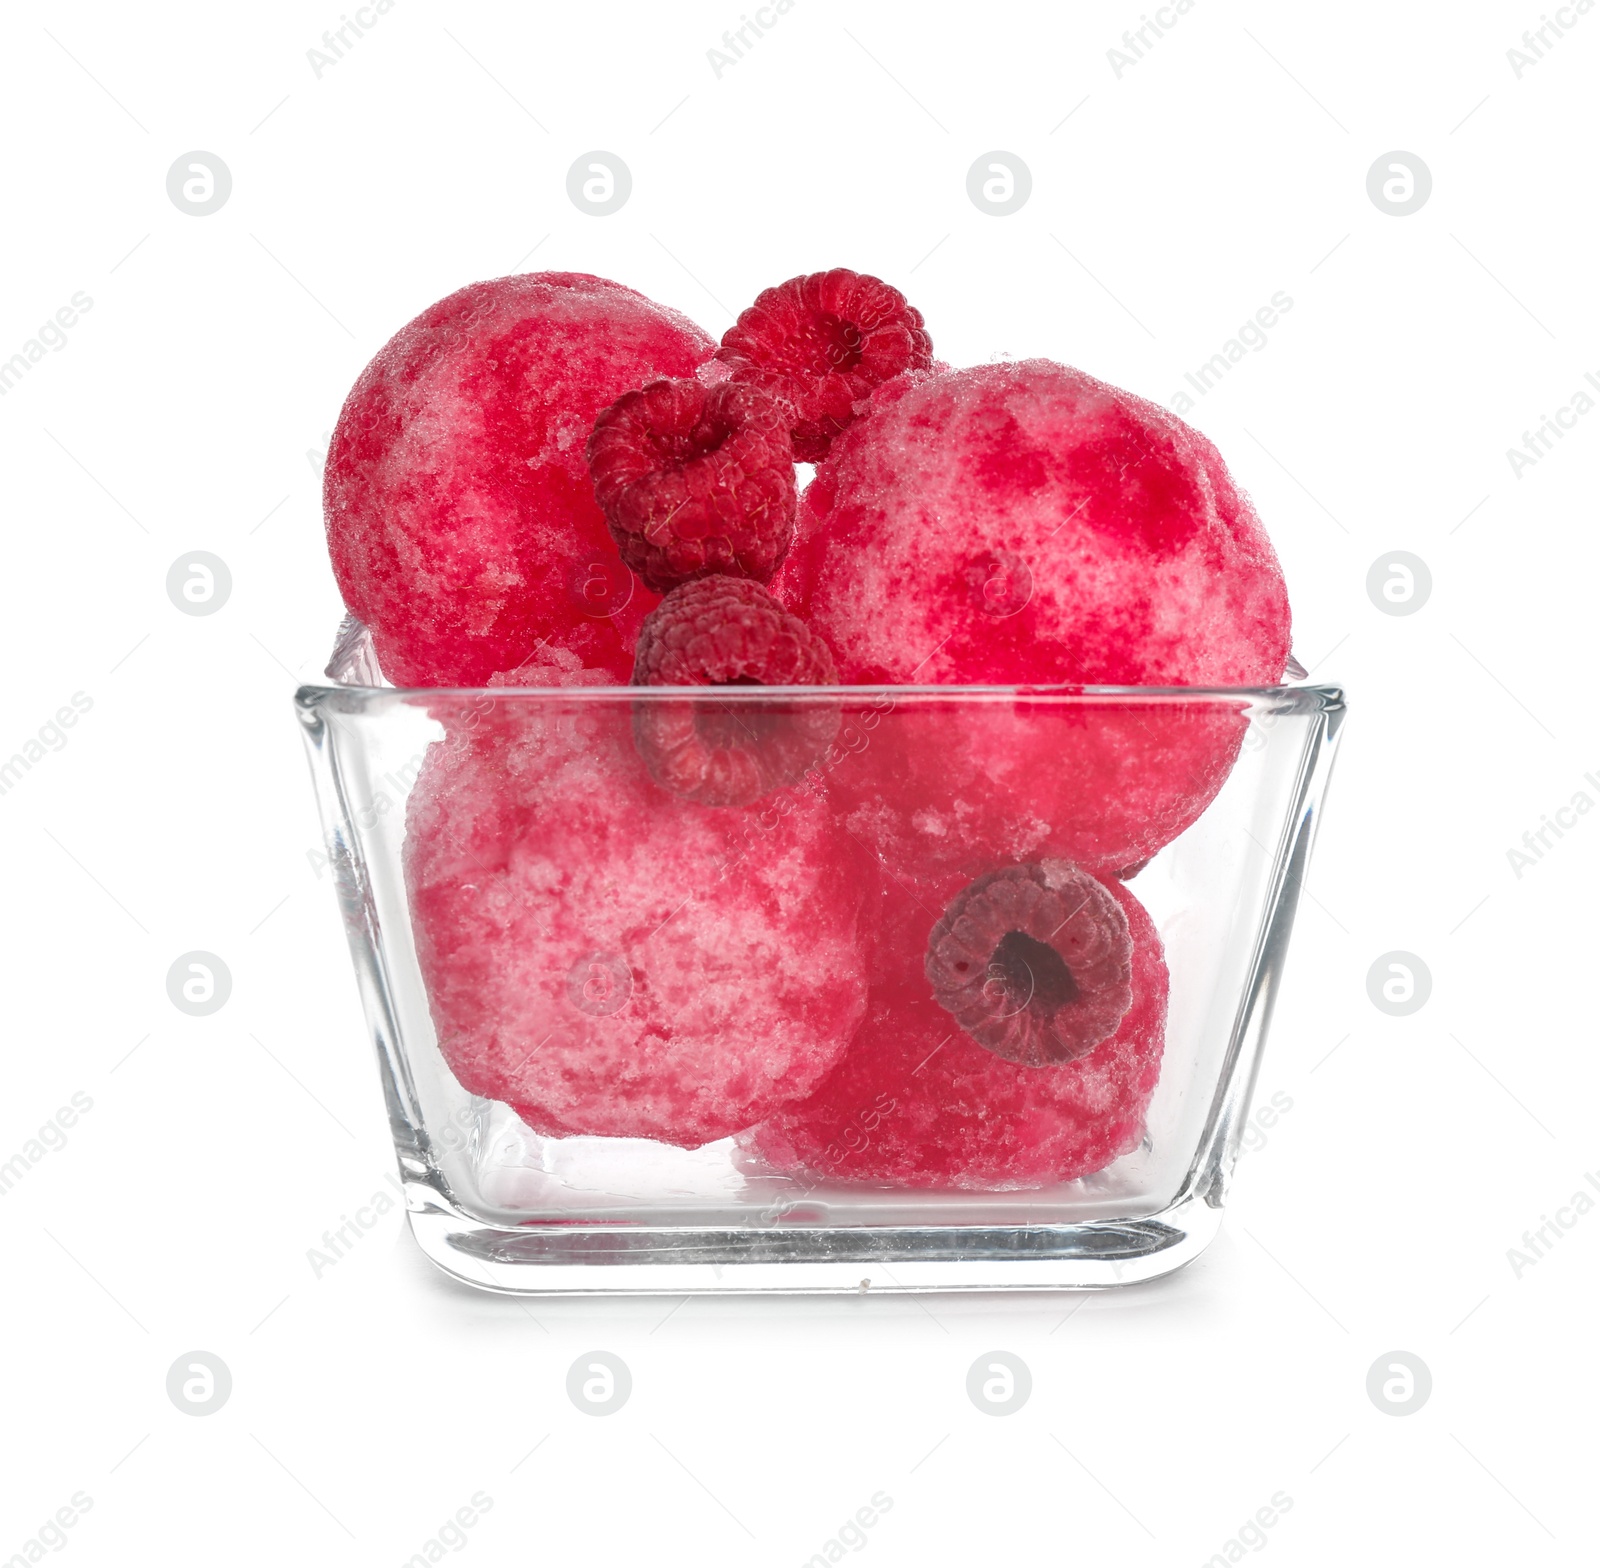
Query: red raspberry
[
  {"x": 823, "y": 342},
  {"x": 727, "y": 631},
  {"x": 695, "y": 479},
  {"x": 1034, "y": 962}
]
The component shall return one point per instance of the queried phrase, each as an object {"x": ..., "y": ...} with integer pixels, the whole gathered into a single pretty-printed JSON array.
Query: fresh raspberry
[
  {"x": 724, "y": 631},
  {"x": 727, "y": 631},
  {"x": 1034, "y": 962},
  {"x": 823, "y": 342},
  {"x": 695, "y": 479}
]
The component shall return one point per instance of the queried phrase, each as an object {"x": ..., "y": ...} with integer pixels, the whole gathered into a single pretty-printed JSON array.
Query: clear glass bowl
[{"x": 914, "y": 792}]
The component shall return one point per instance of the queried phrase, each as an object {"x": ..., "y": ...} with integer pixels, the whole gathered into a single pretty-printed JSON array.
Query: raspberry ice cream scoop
[
  {"x": 1106, "y": 782},
  {"x": 1025, "y": 523},
  {"x": 928, "y": 1096},
  {"x": 610, "y": 960},
  {"x": 460, "y": 511}
]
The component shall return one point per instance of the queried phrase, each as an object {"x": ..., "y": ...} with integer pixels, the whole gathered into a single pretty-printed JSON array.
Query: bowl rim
[
  {"x": 353, "y": 652},
  {"x": 1299, "y": 698}
]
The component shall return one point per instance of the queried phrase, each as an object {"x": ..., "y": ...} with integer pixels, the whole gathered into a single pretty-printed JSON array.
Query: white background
[{"x": 1168, "y": 204}]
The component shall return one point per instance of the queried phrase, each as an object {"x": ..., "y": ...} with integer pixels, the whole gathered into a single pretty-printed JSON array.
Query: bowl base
[{"x": 792, "y": 1259}]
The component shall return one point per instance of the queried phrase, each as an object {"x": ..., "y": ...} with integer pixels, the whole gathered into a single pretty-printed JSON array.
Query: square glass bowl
[{"x": 513, "y": 877}]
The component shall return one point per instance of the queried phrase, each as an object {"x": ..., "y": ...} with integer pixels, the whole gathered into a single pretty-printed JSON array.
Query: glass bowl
[{"x": 687, "y": 932}]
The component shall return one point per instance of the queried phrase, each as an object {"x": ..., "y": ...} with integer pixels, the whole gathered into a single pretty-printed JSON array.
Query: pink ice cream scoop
[{"x": 460, "y": 512}]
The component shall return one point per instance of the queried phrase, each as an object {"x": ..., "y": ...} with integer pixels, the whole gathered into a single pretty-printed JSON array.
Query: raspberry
[
  {"x": 722, "y": 631},
  {"x": 726, "y": 631},
  {"x": 823, "y": 342},
  {"x": 695, "y": 479},
  {"x": 1034, "y": 962}
]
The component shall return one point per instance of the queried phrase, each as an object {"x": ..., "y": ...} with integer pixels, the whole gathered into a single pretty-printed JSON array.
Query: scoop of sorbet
[
  {"x": 931, "y": 1095},
  {"x": 612, "y": 960},
  {"x": 460, "y": 512},
  {"x": 1026, "y": 524}
]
